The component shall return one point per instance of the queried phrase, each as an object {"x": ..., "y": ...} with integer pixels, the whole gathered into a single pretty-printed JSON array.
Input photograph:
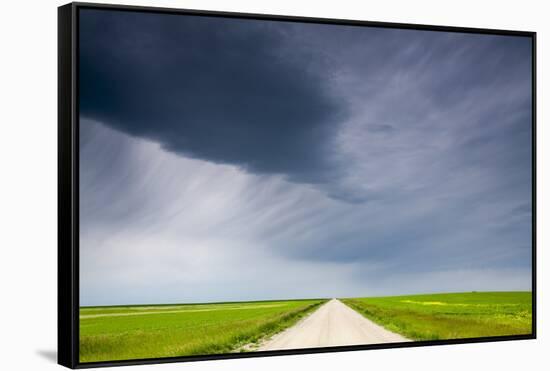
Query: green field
[
  {"x": 134, "y": 332},
  {"x": 155, "y": 331},
  {"x": 450, "y": 316}
]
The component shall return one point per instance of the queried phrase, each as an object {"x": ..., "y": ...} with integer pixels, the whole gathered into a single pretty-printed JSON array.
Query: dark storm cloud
[
  {"x": 262, "y": 96},
  {"x": 418, "y": 145},
  {"x": 210, "y": 88}
]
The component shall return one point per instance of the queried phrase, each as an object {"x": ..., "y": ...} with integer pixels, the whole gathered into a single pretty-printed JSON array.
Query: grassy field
[
  {"x": 450, "y": 316},
  {"x": 134, "y": 332}
]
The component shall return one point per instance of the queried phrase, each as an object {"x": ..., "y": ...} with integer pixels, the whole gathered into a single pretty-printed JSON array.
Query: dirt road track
[{"x": 333, "y": 324}]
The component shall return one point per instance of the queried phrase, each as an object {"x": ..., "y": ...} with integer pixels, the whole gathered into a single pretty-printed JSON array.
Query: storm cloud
[
  {"x": 226, "y": 92},
  {"x": 218, "y": 155}
]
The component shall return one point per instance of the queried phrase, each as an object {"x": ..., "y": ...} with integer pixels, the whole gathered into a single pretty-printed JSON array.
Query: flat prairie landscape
[
  {"x": 135, "y": 332},
  {"x": 450, "y": 316},
  {"x": 312, "y": 169},
  {"x": 155, "y": 331}
]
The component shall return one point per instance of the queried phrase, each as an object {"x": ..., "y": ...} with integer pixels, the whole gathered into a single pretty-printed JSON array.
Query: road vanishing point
[{"x": 333, "y": 324}]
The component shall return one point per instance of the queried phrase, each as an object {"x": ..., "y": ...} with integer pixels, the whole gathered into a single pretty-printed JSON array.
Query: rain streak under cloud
[{"x": 226, "y": 159}]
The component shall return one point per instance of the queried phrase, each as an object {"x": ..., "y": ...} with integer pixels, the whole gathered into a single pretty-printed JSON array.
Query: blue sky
[{"x": 226, "y": 159}]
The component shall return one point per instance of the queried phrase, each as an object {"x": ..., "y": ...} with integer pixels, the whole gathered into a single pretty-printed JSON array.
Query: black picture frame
[{"x": 68, "y": 184}]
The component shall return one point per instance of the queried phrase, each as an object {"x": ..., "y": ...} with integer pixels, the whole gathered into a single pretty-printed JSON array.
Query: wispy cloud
[{"x": 280, "y": 160}]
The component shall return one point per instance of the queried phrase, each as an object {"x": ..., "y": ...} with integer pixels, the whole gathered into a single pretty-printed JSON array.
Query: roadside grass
[
  {"x": 450, "y": 316},
  {"x": 155, "y": 331}
]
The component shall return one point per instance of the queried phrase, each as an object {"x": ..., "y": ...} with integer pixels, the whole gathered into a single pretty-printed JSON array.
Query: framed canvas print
[{"x": 239, "y": 185}]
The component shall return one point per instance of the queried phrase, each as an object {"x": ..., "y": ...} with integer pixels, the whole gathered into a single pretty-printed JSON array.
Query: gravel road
[{"x": 333, "y": 324}]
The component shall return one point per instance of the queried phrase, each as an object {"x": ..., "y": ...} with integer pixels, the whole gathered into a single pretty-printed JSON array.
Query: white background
[{"x": 28, "y": 173}]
